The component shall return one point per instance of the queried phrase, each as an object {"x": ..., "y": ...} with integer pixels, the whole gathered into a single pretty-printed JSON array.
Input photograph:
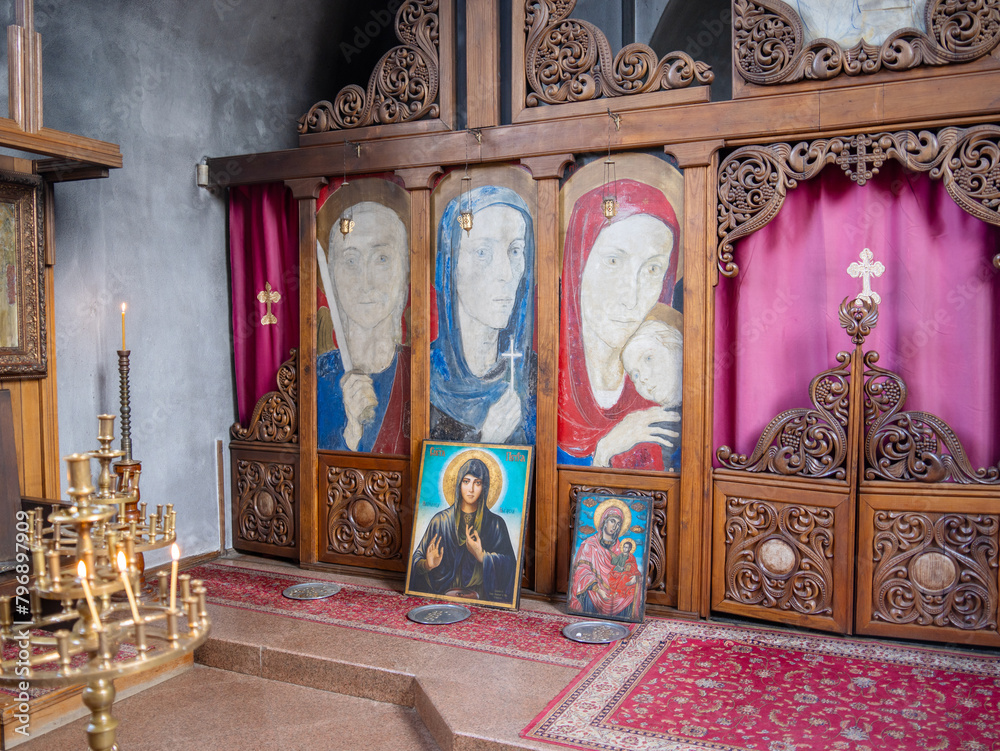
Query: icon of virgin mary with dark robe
[{"x": 466, "y": 551}]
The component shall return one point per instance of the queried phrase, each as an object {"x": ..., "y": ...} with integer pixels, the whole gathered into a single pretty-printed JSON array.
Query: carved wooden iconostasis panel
[
  {"x": 819, "y": 43},
  {"x": 926, "y": 562},
  {"x": 265, "y": 471}
]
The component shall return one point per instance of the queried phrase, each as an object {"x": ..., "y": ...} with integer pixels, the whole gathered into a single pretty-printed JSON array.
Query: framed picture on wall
[
  {"x": 22, "y": 277},
  {"x": 607, "y": 576},
  {"x": 468, "y": 528}
]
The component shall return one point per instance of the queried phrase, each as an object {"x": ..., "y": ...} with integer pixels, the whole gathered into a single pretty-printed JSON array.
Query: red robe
[
  {"x": 582, "y": 421},
  {"x": 593, "y": 565}
]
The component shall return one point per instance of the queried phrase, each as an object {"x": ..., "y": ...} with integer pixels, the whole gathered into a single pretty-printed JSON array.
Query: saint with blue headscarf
[{"x": 482, "y": 361}]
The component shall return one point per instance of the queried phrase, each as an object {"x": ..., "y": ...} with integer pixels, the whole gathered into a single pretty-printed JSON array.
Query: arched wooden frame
[
  {"x": 769, "y": 45},
  {"x": 753, "y": 180}
]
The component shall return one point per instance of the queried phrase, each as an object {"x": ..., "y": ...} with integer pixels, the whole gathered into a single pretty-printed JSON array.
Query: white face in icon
[
  {"x": 653, "y": 359},
  {"x": 623, "y": 277},
  {"x": 369, "y": 266},
  {"x": 491, "y": 261}
]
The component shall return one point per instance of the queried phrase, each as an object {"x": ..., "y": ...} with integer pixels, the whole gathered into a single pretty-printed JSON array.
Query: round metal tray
[
  {"x": 311, "y": 590},
  {"x": 438, "y": 615},
  {"x": 595, "y": 632}
]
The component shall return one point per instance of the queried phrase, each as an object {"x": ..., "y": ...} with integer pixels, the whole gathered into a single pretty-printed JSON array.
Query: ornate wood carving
[
  {"x": 754, "y": 180},
  {"x": 909, "y": 445},
  {"x": 265, "y": 502},
  {"x": 569, "y": 60},
  {"x": 805, "y": 442},
  {"x": 656, "y": 574},
  {"x": 936, "y": 569},
  {"x": 363, "y": 512},
  {"x": 403, "y": 86},
  {"x": 779, "y": 555},
  {"x": 770, "y": 46},
  {"x": 275, "y": 416}
]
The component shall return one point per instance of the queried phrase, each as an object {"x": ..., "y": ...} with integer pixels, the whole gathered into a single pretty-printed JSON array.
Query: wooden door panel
[
  {"x": 928, "y": 563},
  {"x": 265, "y": 499},
  {"x": 782, "y": 550},
  {"x": 365, "y": 514}
]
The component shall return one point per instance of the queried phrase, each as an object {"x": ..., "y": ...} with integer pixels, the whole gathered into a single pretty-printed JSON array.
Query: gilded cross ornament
[
  {"x": 268, "y": 297},
  {"x": 868, "y": 268}
]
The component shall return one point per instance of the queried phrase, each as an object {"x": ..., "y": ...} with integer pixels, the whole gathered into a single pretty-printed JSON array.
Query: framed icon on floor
[
  {"x": 469, "y": 521},
  {"x": 607, "y": 576}
]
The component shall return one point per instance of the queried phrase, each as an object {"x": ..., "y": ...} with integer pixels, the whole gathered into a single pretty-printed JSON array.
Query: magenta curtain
[
  {"x": 263, "y": 248},
  {"x": 777, "y": 323}
]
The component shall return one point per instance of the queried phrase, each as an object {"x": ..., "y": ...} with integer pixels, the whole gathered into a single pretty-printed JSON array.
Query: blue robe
[
  {"x": 331, "y": 416},
  {"x": 460, "y": 399},
  {"x": 493, "y": 580}
]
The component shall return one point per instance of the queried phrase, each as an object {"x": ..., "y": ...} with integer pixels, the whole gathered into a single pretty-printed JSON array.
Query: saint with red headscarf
[{"x": 614, "y": 271}]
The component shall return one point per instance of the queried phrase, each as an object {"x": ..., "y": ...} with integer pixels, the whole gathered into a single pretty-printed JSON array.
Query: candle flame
[
  {"x": 122, "y": 564},
  {"x": 81, "y": 570},
  {"x": 123, "y": 308},
  {"x": 175, "y": 552}
]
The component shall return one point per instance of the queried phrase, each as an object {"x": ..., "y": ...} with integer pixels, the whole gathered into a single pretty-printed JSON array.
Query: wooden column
[
  {"x": 547, "y": 170},
  {"x": 24, "y": 64},
  {"x": 699, "y": 162},
  {"x": 419, "y": 181},
  {"x": 482, "y": 61},
  {"x": 306, "y": 191}
]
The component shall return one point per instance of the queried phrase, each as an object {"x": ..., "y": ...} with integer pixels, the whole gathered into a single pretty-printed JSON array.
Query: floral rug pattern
[
  {"x": 696, "y": 686},
  {"x": 523, "y": 634}
]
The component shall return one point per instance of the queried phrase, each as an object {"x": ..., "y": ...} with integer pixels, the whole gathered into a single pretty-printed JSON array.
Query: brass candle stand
[{"x": 79, "y": 643}]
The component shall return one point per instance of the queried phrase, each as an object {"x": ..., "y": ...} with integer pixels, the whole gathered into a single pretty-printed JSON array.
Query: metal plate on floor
[
  {"x": 595, "y": 632},
  {"x": 311, "y": 590},
  {"x": 438, "y": 615}
]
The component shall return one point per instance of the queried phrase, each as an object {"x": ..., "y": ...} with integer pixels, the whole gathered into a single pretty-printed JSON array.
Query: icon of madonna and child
[
  {"x": 620, "y": 348},
  {"x": 469, "y": 524}
]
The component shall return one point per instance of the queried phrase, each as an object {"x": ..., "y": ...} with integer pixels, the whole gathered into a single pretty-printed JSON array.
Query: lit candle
[
  {"x": 123, "y": 327},
  {"x": 175, "y": 553},
  {"x": 81, "y": 571},
  {"x": 123, "y": 569}
]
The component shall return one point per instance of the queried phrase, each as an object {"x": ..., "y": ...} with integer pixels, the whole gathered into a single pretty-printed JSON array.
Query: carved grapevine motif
[
  {"x": 754, "y": 180},
  {"x": 265, "y": 502},
  {"x": 770, "y": 47},
  {"x": 779, "y": 555},
  {"x": 403, "y": 86},
  {"x": 656, "y": 573},
  {"x": 936, "y": 569},
  {"x": 275, "y": 416},
  {"x": 569, "y": 60},
  {"x": 910, "y": 445},
  {"x": 363, "y": 512},
  {"x": 805, "y": 442}
]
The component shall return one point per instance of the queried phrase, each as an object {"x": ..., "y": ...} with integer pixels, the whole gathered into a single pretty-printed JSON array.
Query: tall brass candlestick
[{"x": 126, "y": 410}]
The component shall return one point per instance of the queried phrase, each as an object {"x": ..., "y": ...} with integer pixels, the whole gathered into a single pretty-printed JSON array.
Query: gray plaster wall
[{"x": 170, "y": 81}]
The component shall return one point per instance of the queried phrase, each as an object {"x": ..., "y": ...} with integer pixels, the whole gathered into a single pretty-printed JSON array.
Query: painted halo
[
  {"x": 450, "y": 477},
  {"x": 604, "y": 506}
]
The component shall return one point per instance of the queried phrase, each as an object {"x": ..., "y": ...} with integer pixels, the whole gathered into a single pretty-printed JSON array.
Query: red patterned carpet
[
  {"x": 695, "y": 686},
  {"x": 524, "y": 634}
]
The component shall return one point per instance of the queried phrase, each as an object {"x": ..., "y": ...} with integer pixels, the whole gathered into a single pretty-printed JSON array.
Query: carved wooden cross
[
  {"x": 866, "y": 270},
  {"x": 267, "y": 296},
  {"x": 512, "y": 355}
]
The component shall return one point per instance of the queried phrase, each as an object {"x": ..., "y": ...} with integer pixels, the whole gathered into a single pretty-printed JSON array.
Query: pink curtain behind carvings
[
  {"x": 263, "y": 248},
  {"x": 777, "y": 324}
]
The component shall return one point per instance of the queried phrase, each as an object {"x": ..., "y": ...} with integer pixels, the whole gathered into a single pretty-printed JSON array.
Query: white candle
[
  {"x": 175, "y": 553},
  {"x": 123, "y": 569},
  {"x": 81, "y": 571}
]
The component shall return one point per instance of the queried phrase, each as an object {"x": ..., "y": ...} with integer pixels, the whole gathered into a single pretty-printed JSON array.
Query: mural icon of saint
[
  {"x": 369, "y": 272},
  {"x": 482, "y": 364},
  {"x": 466, "y": 549},
  {"x": 614, "y": 272}
]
